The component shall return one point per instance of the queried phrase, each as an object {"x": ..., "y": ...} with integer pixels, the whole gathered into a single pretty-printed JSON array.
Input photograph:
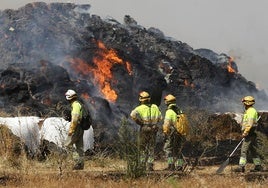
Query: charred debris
[{"x": 49, "y": 48}]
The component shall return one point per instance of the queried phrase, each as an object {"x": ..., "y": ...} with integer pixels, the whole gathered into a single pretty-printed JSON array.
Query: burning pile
[
  {"x": 101, "y": 71},
  {"x": 49, "y": 48}
]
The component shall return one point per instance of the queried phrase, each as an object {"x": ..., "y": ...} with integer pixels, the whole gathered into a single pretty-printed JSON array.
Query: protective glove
[
  {"x": 245, "y": 134},
  {"x": 166, "y": 129}
]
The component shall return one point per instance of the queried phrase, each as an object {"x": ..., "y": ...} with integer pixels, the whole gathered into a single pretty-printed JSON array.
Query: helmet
[
  {"x": 169, "y": 99},
  {"x": 70, "y": 94},
  {"x": 144, "y": 96},
  {"x": 248, "y": 100}
]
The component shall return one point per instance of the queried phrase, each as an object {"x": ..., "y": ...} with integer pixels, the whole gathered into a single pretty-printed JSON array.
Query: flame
[
  {"x": 85, "y": 96},
  {"x": 229, "y": 66},
  {"x": 165, "y": 67},
  {"x": 129, "y": 69},
  {"x": 102, "y": 74},
  {"x": 187, "y": 83}
]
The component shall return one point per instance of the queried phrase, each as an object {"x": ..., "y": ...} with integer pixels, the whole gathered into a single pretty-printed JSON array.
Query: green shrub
[{"x": 129, "y": 150}]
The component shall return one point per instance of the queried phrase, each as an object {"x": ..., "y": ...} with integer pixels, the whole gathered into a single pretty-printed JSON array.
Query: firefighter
[
  {"x": 173, "y": 140},
  {"x": 147, "y": 115},
  {"x": 75, "y": 132},
  {"x": 251, "y": 142}
]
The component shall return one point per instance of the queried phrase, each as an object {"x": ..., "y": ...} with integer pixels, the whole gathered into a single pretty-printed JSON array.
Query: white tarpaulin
[{"x": 53, "y": 129}]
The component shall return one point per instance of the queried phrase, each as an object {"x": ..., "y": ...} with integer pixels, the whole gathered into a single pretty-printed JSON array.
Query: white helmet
[{"x": 70, "y": 94}]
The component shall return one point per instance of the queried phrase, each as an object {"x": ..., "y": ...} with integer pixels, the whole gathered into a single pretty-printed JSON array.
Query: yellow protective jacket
[
  {"x": 170, "y": 119},
  {"x": 146, "y": 114},
  {"x": 76, "y": 114},
  {"x": 250, "y": 119}
]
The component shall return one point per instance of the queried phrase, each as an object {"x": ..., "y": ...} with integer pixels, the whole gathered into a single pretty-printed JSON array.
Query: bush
[{"x": 129, "y": 150}]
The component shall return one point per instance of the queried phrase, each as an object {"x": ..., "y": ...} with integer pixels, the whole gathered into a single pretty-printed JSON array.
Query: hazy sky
[{"x": 238, "y": 28}]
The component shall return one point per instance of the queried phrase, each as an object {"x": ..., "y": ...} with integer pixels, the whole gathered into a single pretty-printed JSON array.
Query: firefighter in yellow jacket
[
  {"x": 173, "y": 139},
  {"x": 249, "y": 132},
  {"x": 147, "y": 115},
  {"x": 75, "y": 132}
]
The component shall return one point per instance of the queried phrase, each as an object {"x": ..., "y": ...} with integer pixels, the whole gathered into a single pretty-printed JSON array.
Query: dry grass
[
  {"x": 106, "y": 171},
  {"x": 110, "y": 172}
]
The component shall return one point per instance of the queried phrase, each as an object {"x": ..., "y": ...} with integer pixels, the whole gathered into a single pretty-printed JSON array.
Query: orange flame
[
  {"x": 187, "y": 83},
  {"x": 229, "y": 66},
  {"x": 104, "y": 61},
  {"x": 85, "y": 96},
  {"x": 129, "y": 69}
]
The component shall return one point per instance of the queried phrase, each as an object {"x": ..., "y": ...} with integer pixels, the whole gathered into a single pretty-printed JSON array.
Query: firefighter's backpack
[
  {"x": 86, "y": 120},
  {"x": 182, "y": 124}
]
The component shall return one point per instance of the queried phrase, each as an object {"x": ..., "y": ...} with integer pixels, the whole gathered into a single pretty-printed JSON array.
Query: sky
[{"x": 238, "y": 28}]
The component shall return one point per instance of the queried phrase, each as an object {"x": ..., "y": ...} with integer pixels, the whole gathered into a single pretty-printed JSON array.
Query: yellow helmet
[
  {"x": 144, "y": 96},
  {"x": 169, "y": 99},
  {"x": 248, "y": 100}
]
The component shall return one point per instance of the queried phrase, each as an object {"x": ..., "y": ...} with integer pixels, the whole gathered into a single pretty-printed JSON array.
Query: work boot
[
  {"x": 258, "y": 168},
  {"x": 240, "y": 169},
  {"x": 171, "y": 167},
  {"x": 78, "y": 166},
  {"x": 150, "y": 167}
]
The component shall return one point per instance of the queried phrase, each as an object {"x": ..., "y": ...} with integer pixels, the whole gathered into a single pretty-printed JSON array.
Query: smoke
[{"x": 237, "y": 28}]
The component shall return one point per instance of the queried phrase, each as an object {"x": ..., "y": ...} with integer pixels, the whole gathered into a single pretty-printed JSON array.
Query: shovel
[{"x": 225, "y": 163}]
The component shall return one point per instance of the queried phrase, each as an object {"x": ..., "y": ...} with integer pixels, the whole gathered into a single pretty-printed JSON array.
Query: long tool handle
[
  {"x": 225, "y": 163},
  {"x": 237, "y": 147}
]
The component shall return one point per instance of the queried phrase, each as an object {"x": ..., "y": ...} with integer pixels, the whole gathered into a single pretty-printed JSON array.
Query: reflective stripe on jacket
[
  {"x": 146, "y": 114},
  {"x": 250, "y": 119},
  {"x": 76, "y": 114},
  {"x": 170, "y": 119}
]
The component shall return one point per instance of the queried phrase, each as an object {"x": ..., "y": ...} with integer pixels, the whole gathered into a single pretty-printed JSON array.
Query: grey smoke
[{"x": 238, "y": 28}]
